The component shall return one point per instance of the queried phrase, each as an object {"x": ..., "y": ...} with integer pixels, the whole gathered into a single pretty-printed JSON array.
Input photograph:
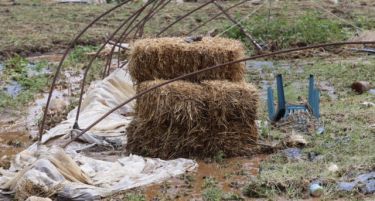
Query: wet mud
[
  {"x": 230, "y": 175},
  {"x": 12, "y": 143}
]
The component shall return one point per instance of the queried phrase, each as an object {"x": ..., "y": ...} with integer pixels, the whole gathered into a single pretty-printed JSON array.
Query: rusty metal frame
[
  {"x": 71, "y": 45},
  {"x": 216, "y": 16},
  {"x": 88, "y": 67},
  {"x": 133, "y": 24},
  {"x": 125, "y": 34},
  {"x": 212, "y": 68},
  {"x": 250, "y": 37}
]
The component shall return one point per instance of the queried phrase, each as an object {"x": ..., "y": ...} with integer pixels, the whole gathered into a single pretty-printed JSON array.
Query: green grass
[
  {"x": 134, "y": 197},
  {"x": 347, "y": 141},
  {"x": 16, "y": 70},
  {"x": 211, "y": 192},
  {"x": 281, "y": 32},
  {"x": 36, "y": 26},
  {"x": 41, "y": 27}
]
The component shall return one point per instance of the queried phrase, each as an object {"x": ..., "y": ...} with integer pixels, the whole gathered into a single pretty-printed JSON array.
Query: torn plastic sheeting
[
  {"x": 101, "y": 96},
  {"x": 85, "y": 178},
  {"x": 92, "y": 179}
]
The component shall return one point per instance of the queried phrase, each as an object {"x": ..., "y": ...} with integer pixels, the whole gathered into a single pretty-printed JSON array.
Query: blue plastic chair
[{"x": 284, "y": 109}]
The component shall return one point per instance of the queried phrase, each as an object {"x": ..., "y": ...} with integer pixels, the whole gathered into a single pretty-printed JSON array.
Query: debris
[
  {"x": 360, "y": 86},
  {"x": 295, "y": 140},
  {"x": 367, "y": 50},
  {"x": 367, "y": 104},
  {"x": 185, "y": 119},
  {"x": 320, "y": 130},
  {"x": 191, "y": 39},
  {"x": 365, "y": 36},
  {"x": 346, "y": 186},
  {"x": 293, "y": 153},
  {"x": 256, "y": 2},
  {"x": 58, "y": 105},
  {"x": 334, "y": 1},
  {"x": 168, "y": 58},
  {"x": 333, "y": 168},
  {"x": 213, "y": 32},
  {"x": 316, "y": 190},
  {"x": 364, "y": 182},
  {"x": 119, "y": 47},
  {"x": 35, "y": 198}
]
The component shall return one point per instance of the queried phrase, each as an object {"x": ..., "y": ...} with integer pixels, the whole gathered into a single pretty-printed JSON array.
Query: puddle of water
[
  {"x": 253, "y": 64},
  {"x": 231, "y": 176},
  {"x": 13, "y": 88},
  {"x": 67, "y": 87},
  {"x": 32, "y": 70},
  {"x": 12, "y": 143}
]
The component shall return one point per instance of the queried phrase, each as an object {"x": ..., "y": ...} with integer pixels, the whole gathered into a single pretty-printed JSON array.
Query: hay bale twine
[
  {"x": 187, "y": 120},
  {"x": 167, "y": 58}
]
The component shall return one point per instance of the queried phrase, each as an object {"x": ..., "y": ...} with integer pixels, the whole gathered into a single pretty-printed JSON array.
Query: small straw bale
[
  {"x": 186, "y": 119},
  {"x": 167, "y": 58},
  {"x": 229, "y": 101}
]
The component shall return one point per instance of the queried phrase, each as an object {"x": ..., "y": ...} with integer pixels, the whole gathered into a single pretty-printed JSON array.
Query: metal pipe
[
  {"x": 250, "y": 37},
  {"x": 216, "y": 16},
  {"x": 184, "y": 16},
  {"x": 124, "y": 35},
  {"x": 211, "y": 68},
  {"x": 133, "y": 17},
  {"x": 96, "y": 55},
  {"x": 71, "y": 45}
]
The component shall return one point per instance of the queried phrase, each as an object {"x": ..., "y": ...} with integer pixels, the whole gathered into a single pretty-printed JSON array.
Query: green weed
[
  {"x": 281, "y": 32},
  {"x": 347, "y": 141},
  {"x": 212, "y": 194},
  {"x": 16, "y": 70},
  {"x": 219, "y": 157},
  {"x": 135, "y": 197}
]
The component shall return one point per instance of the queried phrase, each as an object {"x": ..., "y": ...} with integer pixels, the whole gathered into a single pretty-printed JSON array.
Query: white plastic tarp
[{"x": 72, "y": 175}]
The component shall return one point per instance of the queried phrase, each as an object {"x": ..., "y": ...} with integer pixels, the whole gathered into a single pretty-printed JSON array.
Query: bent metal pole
[
  {"x": 71, "y": 45},
  {"x": 211, "y": 68}
]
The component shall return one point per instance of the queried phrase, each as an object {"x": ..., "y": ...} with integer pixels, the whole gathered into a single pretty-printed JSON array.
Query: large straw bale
[
  {"x": 185, "y": 119},
  {"x": 181, "y": 102},
  {"x": 173, "y": 140},
  {"x": 167, "y": 58}
]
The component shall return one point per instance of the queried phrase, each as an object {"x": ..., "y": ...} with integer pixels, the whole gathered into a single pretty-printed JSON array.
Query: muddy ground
[{"x": 34, "y": 35}]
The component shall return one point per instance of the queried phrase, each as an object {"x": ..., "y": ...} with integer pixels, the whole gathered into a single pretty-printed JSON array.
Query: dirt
[
  {"x": 12, "y": 143},
  {"x": 230, "y": 175}
]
